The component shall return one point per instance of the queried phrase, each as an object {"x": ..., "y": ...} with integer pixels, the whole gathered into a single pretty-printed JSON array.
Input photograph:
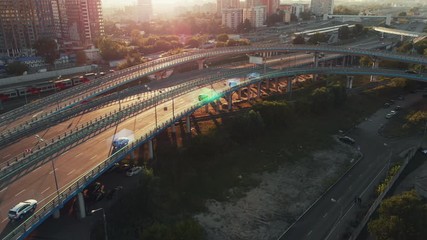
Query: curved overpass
[
  {"x": 99, "y": 86},
  {"x": 83, "y": 163}
]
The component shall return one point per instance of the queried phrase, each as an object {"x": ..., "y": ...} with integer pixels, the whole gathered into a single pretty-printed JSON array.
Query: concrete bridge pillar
[
  {"x": 316, "y": 64},
  {"x": 249, "y": 95},
  {"x": 150, "y": 149},
  {"x": 344, "y": 61},
  {"x": 350, "y": 82},
  {"x": 56, "y": 214},
  {"x": 82, "y": 208},
  {"x": 388, "y": 20},
  {"x": 375, "y": 64},
  {"x": 267, "y": 82},
  {"x": 401, "y": 38},
  {"x": 207, "y": 108},
  {"x": 201, "y": 62},
  {"x": 259, "y": 89},
  {"x": 230, "y": 101},
  {"x": 289, "y": 84},
  {"x": 218, "y": 105},
  {"x": 239, "y": 93},
  {"x": 173, "y": 128},
  {"x": 188, "y": 123}
]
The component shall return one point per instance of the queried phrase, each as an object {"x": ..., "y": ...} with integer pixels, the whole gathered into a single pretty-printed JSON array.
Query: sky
[{"x": 114, "y": 3}]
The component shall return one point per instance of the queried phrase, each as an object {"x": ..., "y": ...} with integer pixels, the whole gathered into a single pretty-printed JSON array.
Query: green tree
[
  {"x": 246, "y": 126},
  {"x": 339, "y": 93},
  {"x": 321, "y": 100},
  {"x": 402, "y": 216},
  {"x": 306, "y": 15},
  {"x": 111, "y": 50},
  {"x": 365, "y": 61},
  {"x": 357, "y": 29},
  {"x": 298, "y": 40},
  {"x": 48, "y": 49},
  {"x": 16, "y": 68},
  {"x": 276, "y": 114},
  {"x": 344, "y": 33},
  {"x": 157, "y": 231},
  {"x": 402, "y": 14},
  {"x": 317, "y": 38},
  {"x": 222, "y": 37},
  {"x": 342, "y": 10},
  {"x": 244, "y": 27},
  {"x": 81, "y": 58},
  {"x": 188, "y": 229},
  {"x": 193, "y": 43}
]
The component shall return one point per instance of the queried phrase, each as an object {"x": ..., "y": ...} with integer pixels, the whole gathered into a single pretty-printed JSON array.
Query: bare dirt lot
[{"x": 269, "y": 209}]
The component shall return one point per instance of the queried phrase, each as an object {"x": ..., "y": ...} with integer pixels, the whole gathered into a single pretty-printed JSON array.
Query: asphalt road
[{"x": 319, "y": 221}]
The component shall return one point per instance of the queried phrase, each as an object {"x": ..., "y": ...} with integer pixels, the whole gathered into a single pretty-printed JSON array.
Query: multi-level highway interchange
[{"x": 75, "y": 127}]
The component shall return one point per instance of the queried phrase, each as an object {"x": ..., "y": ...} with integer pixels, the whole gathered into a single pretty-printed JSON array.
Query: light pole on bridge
[{"x": 53, "y": 167}]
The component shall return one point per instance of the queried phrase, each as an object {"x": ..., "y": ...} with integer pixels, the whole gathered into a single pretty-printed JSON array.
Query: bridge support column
[
  {"x": 218, "y": 105},
  {"x": 401, "y": 38},
  {"x": 388, "y": 20},
  {"x": 267, "y": 82},
  {"x": 82, "y": 207},
  {"x": 289, "y": 84},
  {"x": 56, "y": 214},
  {"x": 201, "y": 62},
  {"x": 230, "y": 101},
  {"x": 344, "y": 61},
  {"x": 188, "y": 123},
  {"x": 249, "y": 95},
  {"x": 316, "y": 64},
  {"x": 350, "y": 82},
  {"x": 239, "y": 93},
  {"x": 277, "y": 84},
  {"x": 207, "y": 108},
  {"x": 173, "y": 128},
  {"x": 259, "y": 90},
  {"x": 375, "y": 65},
  {"x": 150, "y": 149}
]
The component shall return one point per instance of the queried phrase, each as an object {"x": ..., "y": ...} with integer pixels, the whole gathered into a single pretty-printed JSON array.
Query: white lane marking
[
  {"x": 326, "y": 214},
  {"x": 56, "y": 169},
  {"x": 45, "y": 190},
  {"x": 93, "y": 157},
  {"x": 4, "y": 220},
  {"x": 35, "y": 115},
  {"x": 309, "y": 233},
  {"x": 37, "y": 169},
  {"x": 3, "y": 189},
  {"x": 79, "y": 154},
  {"x": 102, "y": 140},
  {"x": 71, "y": 172},
  {"x": 19, "y": 193},
  {"x": 64, "y": 153},
  {"x": 6, "y": 156}
]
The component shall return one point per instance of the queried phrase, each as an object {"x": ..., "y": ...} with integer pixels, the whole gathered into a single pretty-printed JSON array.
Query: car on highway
[
  {"x": 203, "y": 96},
  {"x": 253, "y": 75},
  {"x": 388, "y": 115},
  {"x": 347, "y": 140},
  {"x": 21, "y": 209},
  {"x": 397, "y": 108},
  {"x": 392, "y": 112},
  {"x": 411, "y": 72},
  {"x": 120, "y": 143},
  {"x": 133, "y": 171}
]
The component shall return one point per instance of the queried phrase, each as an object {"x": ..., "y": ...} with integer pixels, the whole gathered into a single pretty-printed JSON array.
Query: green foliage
[
  {"x": 274, "y": 114},
  {"x": 298, "y": 40},
  {"x": 344, "y": 33},
  {"x": 416, "y": 117},
  {"x": 421, "y": 46},
  {"x": 402, "y": 14},
  {"x": 365, "y": 61},
  {"x": 317, "y": 38},
  {"x": 48, "y": 49},
  {"x": 321, "y": 100},
  {"x": 111, "y": 50},
  {"x": 306, "y": 15},
  {"x": 16, "y": 68},
  {"x": 187, "y": 229},
  {"x": 401, "y": 216},
  {"x": 339, "y": 93},
  {"x": 393, "y": 64},
  {"x": 399, "y": 82},
  {"x": 391, "y": 173},
  {"x": 246, "y": 126},
  {"x": 193, "y": 43},
  {"x": 222, "y": 37},
  {"x": 273, "y": 19},
  {"x": 342, "y": 10},
  {"x": 357, "y": 29},
  {"x": 244, "y": 27}
]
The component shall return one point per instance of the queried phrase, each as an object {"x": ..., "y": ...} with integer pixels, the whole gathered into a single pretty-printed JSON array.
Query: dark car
[
  {"x": 347, "y": 140},
  {"x": 386, "y": 105},
  {"x": 120, "y": 143},
  {"x": 397, "y": 108}
]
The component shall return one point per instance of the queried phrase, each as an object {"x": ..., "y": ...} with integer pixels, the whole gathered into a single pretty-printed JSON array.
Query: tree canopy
[
  {"x": 111, "y": 50},
  {"x": 298, "y": 40},
  {"x": 402, "y": 216},
  {"x": 48, "y": 49},
  {"x": 16, "y": 68}
]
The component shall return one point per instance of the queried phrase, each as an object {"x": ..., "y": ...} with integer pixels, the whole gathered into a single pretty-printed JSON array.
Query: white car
[
  {"x": 133, "y": 171},
  {"x": 22, "y": 208}
]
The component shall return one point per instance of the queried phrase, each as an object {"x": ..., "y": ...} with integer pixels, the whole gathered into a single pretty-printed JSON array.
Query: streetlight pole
[
  {"x": 105, "y": 220},
  {"x": 155, "y": 108},
  {"x": 53, "y": 167}
]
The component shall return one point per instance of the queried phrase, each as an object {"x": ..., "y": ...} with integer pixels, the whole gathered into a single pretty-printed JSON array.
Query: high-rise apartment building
[
  {"x": 321, "y": 7},
  {"x": 232, "y": 17},
  {"x": 225, "y": 4},
  {"x": 84, "y": 20},
  {"x": 256, "y": 15},
  {"x": 271, "y": 6},
  {"x": 22, "y": 22},
  {"x": 144, "y": 10}
]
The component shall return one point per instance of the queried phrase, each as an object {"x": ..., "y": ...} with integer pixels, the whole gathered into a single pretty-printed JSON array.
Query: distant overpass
[{"x": 399, "y": 32}]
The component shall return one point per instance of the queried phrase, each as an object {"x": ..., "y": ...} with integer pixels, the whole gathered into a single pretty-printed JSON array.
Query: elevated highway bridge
[
  {"x": 80, "y": 162},
  {"x": 83, "y": 153}
]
